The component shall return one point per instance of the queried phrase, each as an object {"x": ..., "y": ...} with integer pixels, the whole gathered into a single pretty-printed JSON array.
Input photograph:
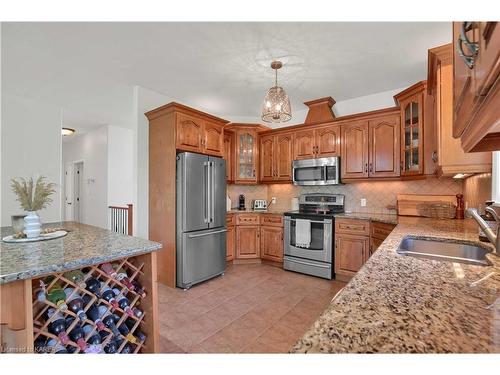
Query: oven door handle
[
  {"x": 327, "y": 222},
  {"x": 307, "y": 263}
]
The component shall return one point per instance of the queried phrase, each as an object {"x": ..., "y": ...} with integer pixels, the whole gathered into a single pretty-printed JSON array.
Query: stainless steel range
[{"x": 309, "y": 234}]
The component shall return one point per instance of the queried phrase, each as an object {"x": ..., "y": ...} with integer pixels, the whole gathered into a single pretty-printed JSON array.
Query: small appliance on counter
[
  {"x": 259, "y": 205},
  {"x": 241, "y": 202}
]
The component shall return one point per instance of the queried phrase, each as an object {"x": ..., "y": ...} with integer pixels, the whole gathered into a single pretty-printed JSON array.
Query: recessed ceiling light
[{"x": 67, "y": 131}]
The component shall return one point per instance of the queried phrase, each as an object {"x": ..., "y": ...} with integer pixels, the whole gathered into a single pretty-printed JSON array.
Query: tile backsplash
[{"x": 378, "y": 194}]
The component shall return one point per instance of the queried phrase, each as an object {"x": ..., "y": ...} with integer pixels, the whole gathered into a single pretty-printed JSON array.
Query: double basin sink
[{"x": 444, "y": 250}]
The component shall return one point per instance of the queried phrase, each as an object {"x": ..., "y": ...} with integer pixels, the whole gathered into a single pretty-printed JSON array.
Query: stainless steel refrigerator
[{"x": 201, "y": 218}]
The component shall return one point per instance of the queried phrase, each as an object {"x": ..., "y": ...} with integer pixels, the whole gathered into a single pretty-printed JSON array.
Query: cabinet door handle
[
  {"x": 366, "y": 168},
  {"x": 254, "y": 172},
  {"x": 471, "y": 46},
  {"x": 371, "y": 169}
]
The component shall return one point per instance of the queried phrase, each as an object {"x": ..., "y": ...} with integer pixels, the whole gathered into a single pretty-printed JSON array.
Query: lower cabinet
[
  {"x": 351, "y": 252},
  {"x": 271, "y": 243},
  {"x": 248, "y": 242},
  {"x": 230, "y": 242},
  {"x": 355, "y": 241}
]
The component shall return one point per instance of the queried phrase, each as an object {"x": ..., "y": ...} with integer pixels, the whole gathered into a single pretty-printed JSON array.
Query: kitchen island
[
  {"x": 401, "y": 304},
  {"x": 23, "y": 265}
]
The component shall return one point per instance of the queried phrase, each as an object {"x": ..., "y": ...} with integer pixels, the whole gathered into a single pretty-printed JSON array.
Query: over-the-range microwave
[{"x": 322, "y": 171}]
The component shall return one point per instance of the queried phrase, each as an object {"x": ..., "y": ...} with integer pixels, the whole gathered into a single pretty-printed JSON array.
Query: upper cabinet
[
  {"x": 371, "y": 147},
  {"x": 318, "y": 142},
  {"x": 476, "y": 91},
  {"x": 246, "y": 152},
  {"x": 450, "y": 158},
  {"x": 276, "y": 157},
  {"x": 229, "y": 155},
  {"x": 383, "y": 144},
  {"x": 197, "y": 133},
  {"x": 412, "y": 102},
  {"x": 354, "y": 160}
]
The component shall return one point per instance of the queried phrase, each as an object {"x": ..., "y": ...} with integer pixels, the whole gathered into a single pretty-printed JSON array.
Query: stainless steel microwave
[{"x": 322, "y": 171}]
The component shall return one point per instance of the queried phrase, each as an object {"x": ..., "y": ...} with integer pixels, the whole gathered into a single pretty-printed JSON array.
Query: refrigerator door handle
[
  {"x": 207, "y": 234},
  {"x": 206, "y": 169},
  {"x": 212, "y": 190}
]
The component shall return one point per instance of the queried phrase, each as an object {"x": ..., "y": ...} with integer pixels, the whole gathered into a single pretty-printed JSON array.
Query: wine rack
[{"x": 135, "y": 270}]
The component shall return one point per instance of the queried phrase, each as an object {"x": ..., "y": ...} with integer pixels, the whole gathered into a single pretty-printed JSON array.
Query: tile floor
[{"x": 253, "y": 308}]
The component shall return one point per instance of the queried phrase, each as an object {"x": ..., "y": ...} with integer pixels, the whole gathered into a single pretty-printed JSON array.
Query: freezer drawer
[
  {"x": 201, "y": 255},
  {"x": 308, "y": 267}
]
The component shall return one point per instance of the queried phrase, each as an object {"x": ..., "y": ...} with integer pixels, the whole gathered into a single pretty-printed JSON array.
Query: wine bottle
[
  {"x": 137, "y": 333},
  {"x": 40, "y": 344},
  {"x": 94, "y": 286},
  {"x": 76, "y": 334},
  {"x": 41, "y": 295},
  {"x": 94, "y": 340},
  {"x": 126, "y": 333},
  {"x": 109, "y": 296},
  {"x": 138, "y": 288},
  {"x": 122, "y": 276},
  {"x": 58, "y": 325},
  {"x": 53, "y": 346},
  {"x": 112, "y": 346},
  {"x": 75, "y": 303},
  {"x": 57, "y": 296},
  {"x": 128, "y": 348},
  {"x": 93, "y": 313},
  {"x": 124, "y": 304},
  {"x": 77, "y": 277},
  {"x": 108, "y": 320}
]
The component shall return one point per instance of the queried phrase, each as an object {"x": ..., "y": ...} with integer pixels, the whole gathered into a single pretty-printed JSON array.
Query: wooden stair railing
[{"x": 121, "y": 219}]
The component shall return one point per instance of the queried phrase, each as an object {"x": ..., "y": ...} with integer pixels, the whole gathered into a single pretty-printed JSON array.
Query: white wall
[
  {"x": 120, "y": 166},
  {"x": 91, "y": 148},
  {"x": 31, "y": 146}
]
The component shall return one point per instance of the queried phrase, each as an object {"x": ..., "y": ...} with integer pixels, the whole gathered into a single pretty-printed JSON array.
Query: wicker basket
[{"x": 439, "y": 210}]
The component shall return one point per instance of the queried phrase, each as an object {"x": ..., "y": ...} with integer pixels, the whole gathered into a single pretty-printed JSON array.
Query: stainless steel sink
[{"x": 446, "y": 251}]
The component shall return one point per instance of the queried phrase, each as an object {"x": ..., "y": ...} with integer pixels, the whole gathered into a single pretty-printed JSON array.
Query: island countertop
[
  {"x": 84, "y": 245},
  {"x": 401, "y": 304}
]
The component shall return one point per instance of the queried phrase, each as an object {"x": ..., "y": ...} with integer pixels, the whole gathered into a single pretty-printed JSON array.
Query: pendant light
[{"x": 276, "y": 106}]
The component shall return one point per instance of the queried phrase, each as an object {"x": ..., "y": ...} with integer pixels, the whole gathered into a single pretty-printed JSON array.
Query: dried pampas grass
[{"x": 33, "y": 196}]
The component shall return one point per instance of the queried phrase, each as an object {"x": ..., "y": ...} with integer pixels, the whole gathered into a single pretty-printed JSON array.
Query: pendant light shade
[{"x": 276, "y": 106}]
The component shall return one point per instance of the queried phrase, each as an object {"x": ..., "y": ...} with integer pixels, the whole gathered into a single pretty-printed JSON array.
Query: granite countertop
[
  {"x": 271, "y": 211},
  {"x": 401, "y": 304},
  {"x": 382, "y": 218},
  {"x": 84, "y": 245}
]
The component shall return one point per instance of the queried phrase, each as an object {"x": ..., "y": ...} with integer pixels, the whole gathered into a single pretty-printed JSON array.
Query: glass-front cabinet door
[
  {"x": 412, "y": 125},
  {"x": 246, "y": 150}
]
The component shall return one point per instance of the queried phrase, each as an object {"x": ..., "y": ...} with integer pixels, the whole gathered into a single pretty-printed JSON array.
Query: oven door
[
  {"x": 320, "y": 248},
  {"x": 322, "y": 171}
]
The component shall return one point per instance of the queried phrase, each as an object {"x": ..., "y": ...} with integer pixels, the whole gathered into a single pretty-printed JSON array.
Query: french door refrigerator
[{"x": 201, "y": 218}]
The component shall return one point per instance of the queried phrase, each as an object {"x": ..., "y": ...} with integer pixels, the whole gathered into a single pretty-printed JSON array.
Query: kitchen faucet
[{"x": 494, "y": 238}]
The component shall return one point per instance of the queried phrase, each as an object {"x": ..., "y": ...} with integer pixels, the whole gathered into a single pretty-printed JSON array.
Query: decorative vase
[{"x": 32, "y": 225}]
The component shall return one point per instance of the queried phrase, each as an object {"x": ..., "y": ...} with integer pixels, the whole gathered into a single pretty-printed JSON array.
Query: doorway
[{"x": 73, "y": 191}]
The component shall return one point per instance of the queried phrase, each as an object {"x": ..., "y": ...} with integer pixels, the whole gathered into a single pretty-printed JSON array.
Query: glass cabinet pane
[
  {"x": 246, "y": 156},
  {"x": 414, "y": 113},
  {"x": 408, "y": 115}
]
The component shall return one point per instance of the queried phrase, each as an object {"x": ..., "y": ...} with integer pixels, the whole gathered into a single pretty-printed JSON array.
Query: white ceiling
[{"x": 91, "y": 68}]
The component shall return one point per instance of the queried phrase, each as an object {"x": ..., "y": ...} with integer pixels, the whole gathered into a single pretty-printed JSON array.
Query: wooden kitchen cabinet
[
  {"x": 378, "y": 233},
  {"x": 229, "y": 155},
  {"x": 319, "y": 142},
  {"x": 354, "y": 158},
  {"x": 351, "y": 252},
  {"x": 384, "y": 149},
  {"x": 411, "y": 102},
  {"x": 271, "y": 243},
  {"x": 248, "y": 242},
  {"x": 276, "y": 158},
  {"x": 197, "y": 134},
  {"x": 450, "y": 158},
  {"x": 230, "y": 243},
  {"x": 476, "y": 92}
]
